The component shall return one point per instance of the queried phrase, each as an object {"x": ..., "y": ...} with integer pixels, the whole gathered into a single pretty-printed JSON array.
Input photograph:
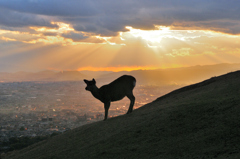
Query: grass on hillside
[{"x": 197, "y": 121}]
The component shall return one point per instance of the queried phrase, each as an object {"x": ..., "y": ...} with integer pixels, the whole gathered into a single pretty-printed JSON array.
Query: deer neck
[{"x": 96, "y": 93}]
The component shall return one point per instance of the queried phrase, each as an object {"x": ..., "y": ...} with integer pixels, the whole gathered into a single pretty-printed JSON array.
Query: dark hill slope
[{"x": 197, "y": 121}]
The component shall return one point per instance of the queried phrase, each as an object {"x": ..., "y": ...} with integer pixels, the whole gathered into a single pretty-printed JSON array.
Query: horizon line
[{"x": 116, "y": 69}]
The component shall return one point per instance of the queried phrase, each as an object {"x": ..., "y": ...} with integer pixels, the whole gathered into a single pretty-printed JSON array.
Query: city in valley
[
  {"x": 42, "y": 108},
  {"x": 41, "y": 104}
]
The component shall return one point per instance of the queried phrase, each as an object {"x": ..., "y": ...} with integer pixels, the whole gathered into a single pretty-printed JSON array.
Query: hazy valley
[
  {"x": 55, "y": 105},
  {"x": 196, "y": 121},
  {"x": 160, "y": 77}
]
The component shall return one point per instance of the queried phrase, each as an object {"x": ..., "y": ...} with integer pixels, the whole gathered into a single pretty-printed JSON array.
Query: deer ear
[
  {"x": 86, "y": 81},
  {"x": 94, "y": 81}
]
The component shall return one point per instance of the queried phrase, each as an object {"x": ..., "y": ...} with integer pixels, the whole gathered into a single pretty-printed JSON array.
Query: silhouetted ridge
[
  {"x": 197, "y": 121},
  {"x": 200, "y": 84}
]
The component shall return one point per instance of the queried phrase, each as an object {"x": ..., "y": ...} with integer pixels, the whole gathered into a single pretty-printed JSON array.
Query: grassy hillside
[{"x": 197, "y": 121}]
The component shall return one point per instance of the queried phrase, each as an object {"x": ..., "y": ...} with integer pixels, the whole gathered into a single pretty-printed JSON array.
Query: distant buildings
[{"x": 41, "y": 108}]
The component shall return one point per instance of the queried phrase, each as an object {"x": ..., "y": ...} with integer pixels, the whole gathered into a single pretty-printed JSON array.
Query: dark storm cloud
[
  {"x": 51, "y": 8},
  {"x": 75, "y": 36},
  {"x": 107, "y": 17},
  {"x": 10, "y": 18}
]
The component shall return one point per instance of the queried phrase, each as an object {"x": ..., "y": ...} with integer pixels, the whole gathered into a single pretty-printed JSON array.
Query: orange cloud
[
  {"x": 117, "y": 69},
  {"x": 7, "y": 39}
]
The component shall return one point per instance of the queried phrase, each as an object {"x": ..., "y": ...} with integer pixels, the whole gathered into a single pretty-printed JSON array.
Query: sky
[{"x": 106, "y": 35}]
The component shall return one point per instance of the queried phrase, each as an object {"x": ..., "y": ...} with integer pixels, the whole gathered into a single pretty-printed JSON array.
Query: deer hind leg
[
  {"x": 106, "y": 107},
  {"x": 132, "y": 101}
]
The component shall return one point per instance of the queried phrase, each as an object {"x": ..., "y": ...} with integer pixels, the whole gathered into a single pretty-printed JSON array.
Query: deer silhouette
[{"x": 114, "y": 91}]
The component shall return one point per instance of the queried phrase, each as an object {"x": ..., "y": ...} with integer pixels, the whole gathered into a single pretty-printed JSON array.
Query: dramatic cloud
[
  {"x": 51, "y": 8},
  {"x": 108, "y": 17},
  {"x": 9, "y": 18},
  {"x": 75, "y": 36},
  {"x": 126, "y": 34}
]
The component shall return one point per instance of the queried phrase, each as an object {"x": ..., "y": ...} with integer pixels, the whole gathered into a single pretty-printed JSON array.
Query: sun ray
[{"x": 134, "y": 49}]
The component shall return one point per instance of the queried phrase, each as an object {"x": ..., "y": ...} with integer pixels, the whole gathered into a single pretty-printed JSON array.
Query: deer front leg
[
  {"x": 132, "y": 101},
  {"x": 106, "y": 107}
]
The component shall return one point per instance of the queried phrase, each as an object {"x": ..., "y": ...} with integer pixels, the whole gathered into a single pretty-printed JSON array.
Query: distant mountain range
[
  {"x": 171, "y": 76},
  {"x": 41, "y": 76},
  {"x": 196, "y": 121}
]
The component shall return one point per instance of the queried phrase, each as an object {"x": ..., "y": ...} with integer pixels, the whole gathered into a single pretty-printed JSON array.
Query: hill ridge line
[
  {"x": 203, "y": 123},
  {"x": 196, "y": 85}
]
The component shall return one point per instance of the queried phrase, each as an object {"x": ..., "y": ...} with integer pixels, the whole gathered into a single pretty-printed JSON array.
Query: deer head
[{"x": 90, "y": 84}]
